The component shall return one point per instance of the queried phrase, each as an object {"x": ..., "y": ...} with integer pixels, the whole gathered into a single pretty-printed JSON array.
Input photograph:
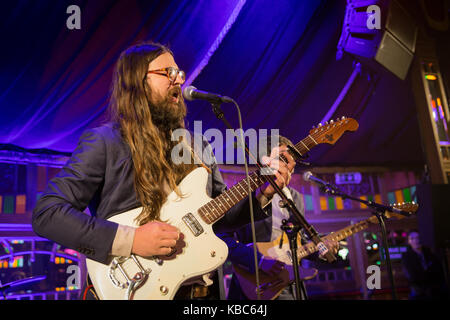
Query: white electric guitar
[{"x": 198, "y": 251}]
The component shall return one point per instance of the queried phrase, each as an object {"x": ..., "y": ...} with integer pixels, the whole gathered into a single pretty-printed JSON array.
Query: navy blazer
[{"x": 100, "y": 175}]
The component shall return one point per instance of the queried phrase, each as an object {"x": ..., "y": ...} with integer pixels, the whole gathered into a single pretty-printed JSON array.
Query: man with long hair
[{"x": 127, "y": 164}]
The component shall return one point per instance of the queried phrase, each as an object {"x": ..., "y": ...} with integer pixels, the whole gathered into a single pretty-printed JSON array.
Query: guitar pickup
[{"x": 193, "y": 224}]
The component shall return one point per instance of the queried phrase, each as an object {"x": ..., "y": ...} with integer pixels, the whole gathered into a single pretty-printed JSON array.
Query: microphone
[
  {"x": 192, "y": 93},
  {"x": 308, "y": 176}
]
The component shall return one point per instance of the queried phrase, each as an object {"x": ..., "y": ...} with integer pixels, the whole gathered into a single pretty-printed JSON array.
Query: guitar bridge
[
  {"x": 131, "y": 283},
  {"x": 193, "y": 224}
]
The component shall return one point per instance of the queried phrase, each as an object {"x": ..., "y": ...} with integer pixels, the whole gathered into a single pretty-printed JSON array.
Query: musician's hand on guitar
[
  {"x": 282, "y": 170},
  {"x": 271, "y": 266},
  {"x": 155, "y": 238},
  {"x": 333, "y": 246}
]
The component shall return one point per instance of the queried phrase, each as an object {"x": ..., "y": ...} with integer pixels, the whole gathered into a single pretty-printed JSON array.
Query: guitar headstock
[
  {"x": 410, "y": 207},
  {"x": 331, "y": 131}
]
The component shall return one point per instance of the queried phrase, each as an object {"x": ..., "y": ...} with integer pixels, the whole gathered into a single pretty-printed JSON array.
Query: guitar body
[
  {"x": 195, "y": 256},
  {"x": 272, "y": 286}
]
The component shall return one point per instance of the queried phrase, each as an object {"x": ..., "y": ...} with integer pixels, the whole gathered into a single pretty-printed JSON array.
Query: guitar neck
[
  {"x": 310, "y": 247},
  {"x": 305, "y": 145},
  {"x": 216, "y": 208}
]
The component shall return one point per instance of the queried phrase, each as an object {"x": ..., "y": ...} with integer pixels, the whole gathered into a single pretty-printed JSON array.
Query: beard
[{"x": 167, "y": 114}]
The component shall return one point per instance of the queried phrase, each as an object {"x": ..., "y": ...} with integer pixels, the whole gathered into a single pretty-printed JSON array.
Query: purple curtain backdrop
[{"x": 276, "y": 59}]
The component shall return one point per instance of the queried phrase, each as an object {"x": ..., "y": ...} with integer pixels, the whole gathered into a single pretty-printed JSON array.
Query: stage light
[{"x": 343, "y": 253}]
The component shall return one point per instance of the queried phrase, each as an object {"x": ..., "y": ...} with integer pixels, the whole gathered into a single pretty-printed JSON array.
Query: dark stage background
[{"x": 277, "y": 59}]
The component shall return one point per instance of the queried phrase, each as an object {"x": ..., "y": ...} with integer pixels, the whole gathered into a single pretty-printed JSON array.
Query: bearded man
[{"x": 126, "y": 164}]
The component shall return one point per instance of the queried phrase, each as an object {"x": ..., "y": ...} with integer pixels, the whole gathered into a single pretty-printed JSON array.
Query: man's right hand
[{"x": 155, "y": 238}]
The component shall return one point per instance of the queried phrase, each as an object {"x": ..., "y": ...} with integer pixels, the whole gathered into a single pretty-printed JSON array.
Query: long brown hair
[{"x": 150, "y": 147}]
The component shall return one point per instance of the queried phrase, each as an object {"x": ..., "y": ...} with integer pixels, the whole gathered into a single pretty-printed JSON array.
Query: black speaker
[
  {"x": 433, "y": 216},
  {"x": 392, "y": 45}
]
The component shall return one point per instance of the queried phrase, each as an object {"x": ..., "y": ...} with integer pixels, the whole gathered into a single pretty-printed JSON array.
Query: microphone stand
[
  {"x": 378, "y": 210},
  {"x": 293, "y": 210},
  {"x": 292, "y": 233}
]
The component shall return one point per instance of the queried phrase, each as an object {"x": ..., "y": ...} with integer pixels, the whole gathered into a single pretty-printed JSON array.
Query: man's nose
[{"x": 178, "y": 81}]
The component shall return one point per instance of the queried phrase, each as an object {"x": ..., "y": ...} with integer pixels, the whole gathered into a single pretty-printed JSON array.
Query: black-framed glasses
[{"x": 172, "y": 73}]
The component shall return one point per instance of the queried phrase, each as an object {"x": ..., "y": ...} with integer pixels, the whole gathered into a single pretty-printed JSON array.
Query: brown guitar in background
[{"x": 272, "y": 286}]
